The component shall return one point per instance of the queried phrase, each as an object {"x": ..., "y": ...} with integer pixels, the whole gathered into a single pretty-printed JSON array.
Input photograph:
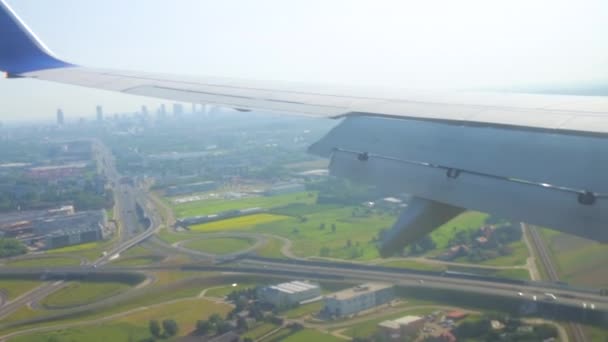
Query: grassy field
[
  {"x": 44, "y": 262},
  {"x": 74, "y": 248},
  {"x": 272, "y": 249},
  {"x": 220, "y": 245},
  {"x": 578, "y": 261},
  {"x": 207, "y": 207},
  {"x": 308, "y": 238},
  {"x": 13, "y": 288},
  {"x": 467, "y": 221},
  {"x": 79, "y": 293},
  {"x": 237, "y": 223},
  {"x": 223, "y": 291},
  {"x": 260, "y": 330},
  {"x": 160, "y": 292},
  {"x": 369, "y": 327},
  {"x": 308, "y": 335},
  {"x": 135, "y": 326}
]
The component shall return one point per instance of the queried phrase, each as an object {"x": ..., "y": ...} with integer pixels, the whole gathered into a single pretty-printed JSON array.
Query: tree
[
  {"x": 333, "y": 227},
  {"x": 248, "y": 339},
  {"x": 215, "y": 318},
  {"x": 241, "y": 324},
  {"x": 348, "y": 243},
  {"x": 170, "y": 327},
  {"x": 203, "y": 327},
  {"x": 322, "y": 226},
  {"x": 154, "y": 328},
  {"x": 223, "y": 327}
]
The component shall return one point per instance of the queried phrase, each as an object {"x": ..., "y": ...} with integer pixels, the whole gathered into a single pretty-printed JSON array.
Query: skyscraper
[
  {"x": 60, "y": 118},
  {"x": 178, "y": 109},
  {"x": 99, "y": 113},
  {"x": 144, "y": 111}
]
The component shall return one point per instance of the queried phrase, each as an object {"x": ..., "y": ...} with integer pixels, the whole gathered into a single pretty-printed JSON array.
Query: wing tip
[{"x": 20, "y": 50}]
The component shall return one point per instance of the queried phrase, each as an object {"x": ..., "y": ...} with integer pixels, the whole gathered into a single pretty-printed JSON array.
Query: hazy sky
[{"x": 407, "y": 44}]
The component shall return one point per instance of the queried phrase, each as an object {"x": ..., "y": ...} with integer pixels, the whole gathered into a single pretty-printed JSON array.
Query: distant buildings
[
  {"x": 60, "y": 118},
  {"x": 188, "y": 221},
  {"x": 286, "y": 188},
  {"x": 401, "y": 328},
  {"x": 99, "y": 111},
  {"x": 353, "y": 300},
  {"x": 54, "y": 172},
  {"x": 178, "y": 109},
  {"x": 287, "y": 294},
  {"x": 190, "y": 188},
  {"x": 47, "y": 229}
]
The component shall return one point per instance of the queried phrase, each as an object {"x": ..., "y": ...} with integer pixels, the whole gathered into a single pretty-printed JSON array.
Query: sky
[{"x": 399, "y": 44}]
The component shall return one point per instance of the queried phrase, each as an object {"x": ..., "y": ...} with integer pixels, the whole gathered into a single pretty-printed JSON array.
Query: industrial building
[
  {"x": 73, "y": 236},
  {"x": 288, "y": 294},
  {"x": 55, "y": 227},
  {"x": 399, "y": 329},
  {"x": 286, "y": 188},
  {"x": 192, "y": 220},
  {"x": 190, "y": 188},
  {"x": 358, "y": 298}
]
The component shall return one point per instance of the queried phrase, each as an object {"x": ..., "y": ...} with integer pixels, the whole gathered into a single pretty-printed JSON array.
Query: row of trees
[
  {"x": 11, "y": 247},
  {"x": 169, "y": 328}
]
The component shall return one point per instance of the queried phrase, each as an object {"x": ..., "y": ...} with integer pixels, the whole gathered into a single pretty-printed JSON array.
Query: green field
[
  {"x": 74, "y": 248},
  {"x": 135, "y": 325},
  {"x": 578, "y": 261},
  {"x": 207, "y": 207},
  {"x": 308, "y": 335},
  {"x": 237, "y": 223},
  {"x": 220, "y": 245},
  {"x": 170, "y": 286},
  {"x": 470, "y": 220},
  {"x": 13, "y": 288},
  {"x": 272, "y": 249},
  {"x": 260, "y": 330},
  {"x": 44, "y": 262},
  {"x": 80, "y": 293}
]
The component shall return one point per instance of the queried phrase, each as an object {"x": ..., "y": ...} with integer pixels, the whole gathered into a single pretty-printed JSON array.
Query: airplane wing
[{"x": 539, "y": 158}]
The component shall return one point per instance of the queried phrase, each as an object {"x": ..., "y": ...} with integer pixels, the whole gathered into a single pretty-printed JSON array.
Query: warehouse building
[
  {"x": 358, "y": 298},
  {"x": 288, "y": 294},
  {"x": 399, "y": 329},
  {"x": 72, "y": 236}
]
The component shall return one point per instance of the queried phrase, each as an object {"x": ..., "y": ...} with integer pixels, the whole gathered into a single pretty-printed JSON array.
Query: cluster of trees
[
  {"x": 481, "y": 330},
  {"x": 214, "y": 325},
  {"x": 11, "y": 247},
  {"x": 341, "y": 191},
  {"x": 169, "y": 328},
  {"x": 497, "y": 243}
]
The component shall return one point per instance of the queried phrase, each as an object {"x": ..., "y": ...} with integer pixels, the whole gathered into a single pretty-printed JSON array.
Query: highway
[
  {"x": 577, "y": 332},
  {"x": 130, "y": 230}
]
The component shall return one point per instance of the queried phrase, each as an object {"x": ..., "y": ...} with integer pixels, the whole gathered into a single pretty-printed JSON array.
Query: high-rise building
[
  {"x": 162, "y": 111},
  {"x": 144, "y": 111},
  {"x": 99, "y": 113},
  {"x": 60, "y": 118},
  {"x": 178, "y": 109},
  {"x": 193, "y": 108}
]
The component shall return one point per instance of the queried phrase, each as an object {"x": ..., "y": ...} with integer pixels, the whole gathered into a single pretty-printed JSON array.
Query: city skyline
[{"x": 409, "y": 45}]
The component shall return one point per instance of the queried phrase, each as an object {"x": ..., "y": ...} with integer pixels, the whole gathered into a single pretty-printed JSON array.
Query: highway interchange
[{"x": 132, "y": 233}]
